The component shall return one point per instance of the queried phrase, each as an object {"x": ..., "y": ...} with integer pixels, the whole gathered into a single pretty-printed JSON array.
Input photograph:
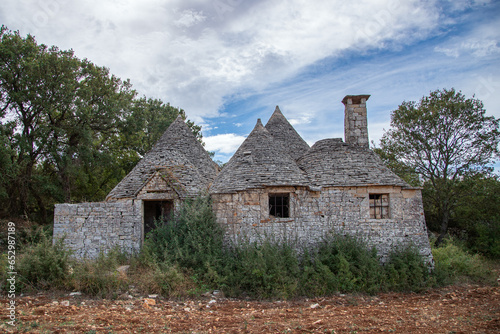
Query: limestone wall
[
  {"x": 89, "y": 228},
  {"x": 342, "y": 210}
]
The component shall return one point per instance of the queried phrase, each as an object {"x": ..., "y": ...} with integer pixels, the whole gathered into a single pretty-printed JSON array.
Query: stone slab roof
[
  {"x": 178, "y": 155},
  {"x": 284, "y": 133},
  {"x": 331, "y": 162},
  {"x": 180, "y": 137},
  {"x": 260, "y": 161}
]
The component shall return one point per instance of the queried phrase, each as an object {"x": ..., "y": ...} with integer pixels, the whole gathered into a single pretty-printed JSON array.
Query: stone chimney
[{"x": 355, "y": 121}]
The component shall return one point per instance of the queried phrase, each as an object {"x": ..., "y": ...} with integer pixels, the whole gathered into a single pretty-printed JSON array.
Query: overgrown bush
[
  {"x": 192, "y": 240},
  {"x": 153, "y": 277},
  {"x": 484, "y": 238},
  {"x": 453, "y": 264},
  {"x": 267, "y": 269},
  {"x": 43, "y": 265},
  {"x": 342, "y": 263},
  {"x": 99, "y": 277},
  {"x": 406, "y": 270},
  {"x": 187, "y": 257}
]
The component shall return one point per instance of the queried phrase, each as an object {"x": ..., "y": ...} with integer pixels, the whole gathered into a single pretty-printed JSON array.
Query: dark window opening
[
  {"x": 379, "y": 206},
  {"x": 279, "y": 205},
  {"x": 156, "y": 211}
]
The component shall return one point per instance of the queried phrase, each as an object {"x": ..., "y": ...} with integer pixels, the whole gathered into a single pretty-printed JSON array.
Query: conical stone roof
[
  {"x": 331, "y": 162},
  {"x": 177, "y": 155},
  {"x": 180, "y": 137},
  {"x": 259, "y": 162},
  {"x": 285, "y": 134}
]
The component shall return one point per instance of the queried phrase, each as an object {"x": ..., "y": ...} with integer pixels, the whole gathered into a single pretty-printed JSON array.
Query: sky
[{"x": 229, "y": 62}]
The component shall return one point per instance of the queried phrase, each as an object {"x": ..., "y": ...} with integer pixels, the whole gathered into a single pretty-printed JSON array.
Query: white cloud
[
  {"x": 189, "y": 18},
  {"x": 223, "y": 143},
  {"x": 193, "y": 53},
  {"x": 300, "y": 120},
  {"x": 203, "y": 55}
]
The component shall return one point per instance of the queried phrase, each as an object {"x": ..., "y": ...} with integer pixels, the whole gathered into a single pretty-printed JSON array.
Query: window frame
[
  {"x": 379, "y": 206},
  {"x": 281, "y": 209}
]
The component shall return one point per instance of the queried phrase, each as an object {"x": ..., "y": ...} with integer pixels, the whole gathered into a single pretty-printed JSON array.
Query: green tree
[
  {"x": 477, "y": 214},
  {"x": 444, "y": 138},
  {"x": 64, "y": 109},
  {"x": 70, "y": 130},
  {"x": 146, "y": 123}
]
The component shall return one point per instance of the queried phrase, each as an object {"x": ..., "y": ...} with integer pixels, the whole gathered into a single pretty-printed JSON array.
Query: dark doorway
[{"x": 155, "y": 211}]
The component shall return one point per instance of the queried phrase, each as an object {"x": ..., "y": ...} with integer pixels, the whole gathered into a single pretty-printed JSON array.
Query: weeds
[
  {"x": 454, "y": 264},
  {"x": 186, "y": 257},
  {"x": 43, "y": 265},
  {"x": 99, "y": 277}
]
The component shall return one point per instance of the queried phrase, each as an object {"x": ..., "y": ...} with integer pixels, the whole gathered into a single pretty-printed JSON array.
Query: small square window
[
  {"x": 379, "y": 206},
  {"x": 279, "y": 205}
]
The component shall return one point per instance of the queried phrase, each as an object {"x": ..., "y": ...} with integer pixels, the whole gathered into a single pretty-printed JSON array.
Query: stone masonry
[
  {"x": 332, "y": 187},
  {"x": 89, "y": 228},
  {"x": 274, "y": 186},
  {"x": 315, "y": 214}
]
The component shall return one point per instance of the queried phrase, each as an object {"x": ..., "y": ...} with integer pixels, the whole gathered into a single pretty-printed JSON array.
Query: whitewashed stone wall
[
  {"x": 89, "y": 228},
  {"x": 341, "y": 210}
]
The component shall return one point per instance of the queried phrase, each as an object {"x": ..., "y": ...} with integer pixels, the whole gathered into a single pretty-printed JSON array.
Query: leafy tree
[
  {"x": 477, "y": 214},
  {"x": 69, "y": 129},
  {"x": 147, "y": 122},
  {"x": 400, "y": 168},
  {"x": 64, "y": 110},
  {"x": 444, "y": 138}
]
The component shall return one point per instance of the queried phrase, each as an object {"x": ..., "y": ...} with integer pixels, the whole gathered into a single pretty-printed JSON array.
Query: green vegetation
[
  {"x": 187, "y": 257},
  {"x": 446, "y": 144},
  {"x": 69, "y": 130}
]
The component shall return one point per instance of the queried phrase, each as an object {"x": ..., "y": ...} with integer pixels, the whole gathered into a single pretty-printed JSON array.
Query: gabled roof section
[
  {"x": 177, "y": 154},
  {"x": 286, "y": 135},
  {"x": 259, "y": 162},
  {"x": 331, "y": 162}
]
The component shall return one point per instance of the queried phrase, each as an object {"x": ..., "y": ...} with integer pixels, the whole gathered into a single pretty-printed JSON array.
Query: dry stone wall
[
  {"x": 89, "y": 228},
  {"x": 341, "y": 210}
]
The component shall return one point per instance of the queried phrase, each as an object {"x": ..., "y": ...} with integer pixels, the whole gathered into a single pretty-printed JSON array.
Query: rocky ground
[{"x": 464, "y": 309}]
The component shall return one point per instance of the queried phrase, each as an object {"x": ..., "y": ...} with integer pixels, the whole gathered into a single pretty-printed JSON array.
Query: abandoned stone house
[{"x": 275, "y": 185}]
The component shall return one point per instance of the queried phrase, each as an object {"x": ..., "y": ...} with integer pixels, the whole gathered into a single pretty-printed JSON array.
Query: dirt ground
[{"x": 466, "y": 309}]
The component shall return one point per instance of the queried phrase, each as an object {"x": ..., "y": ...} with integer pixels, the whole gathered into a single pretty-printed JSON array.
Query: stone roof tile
[
  {"x": 331, "y": 162},
  {"x": 260, "y": 161},
  {"x": 284, "y": 133},
  {"x": 178, "y": 154}
]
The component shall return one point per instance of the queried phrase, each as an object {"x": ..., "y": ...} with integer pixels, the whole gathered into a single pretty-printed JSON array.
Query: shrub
[
  {"x": 193, "y": 240},
  {"x": 98, "y": 277},
  {"x": 269, "y": 269},
  {"x": 453, "y": 264},
  {"x": 347, "y": 264},
  {"x": 43, "y": 265},
  {"x": 484, "y": 238},
  {"x": 406, "y": 270},
  {"x": 169, "y": 281}
]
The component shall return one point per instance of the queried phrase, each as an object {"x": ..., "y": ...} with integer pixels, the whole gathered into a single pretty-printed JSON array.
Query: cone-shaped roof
[
  {"x": 180, "y": 137},
  {"x": 330, "y": 162},
  {"x": 259, "y": 162},
  {"x": 285, "y": 134},
  {"x": 178, "y": 155}
]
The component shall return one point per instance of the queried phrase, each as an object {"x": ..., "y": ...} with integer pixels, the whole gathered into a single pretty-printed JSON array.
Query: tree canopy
[
  {"x": 444, "y": 138},
  {"x": 69, "y": 130}
]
